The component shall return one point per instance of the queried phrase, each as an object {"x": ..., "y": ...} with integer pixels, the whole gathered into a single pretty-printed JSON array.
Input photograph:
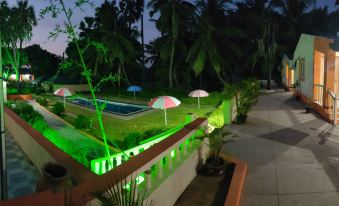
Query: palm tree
[
  {"x": 21, "y": 21},
  {"x": 174, "y": 15},
  {"x": 294, "y": 20},
  {"x": 117, "y": 37},
  {"x": 214, "y": 44},
  {"x": 267, "y": 47}
]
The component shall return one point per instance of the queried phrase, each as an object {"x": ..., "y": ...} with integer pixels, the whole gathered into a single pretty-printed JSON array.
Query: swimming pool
[{"x": 111, "y": 107}]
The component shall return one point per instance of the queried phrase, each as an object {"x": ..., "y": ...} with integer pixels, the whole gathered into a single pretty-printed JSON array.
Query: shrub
[
  {"x": 247, "y": 94},
  {"x": 42, "y": 101},
  {"x": 216, "y": 118},
  {"x": 40, "y": 125},
  {"x": 38, "y": 89},
  {"x": 83, "y": 122},
  {"x": 58, "y": 109}
]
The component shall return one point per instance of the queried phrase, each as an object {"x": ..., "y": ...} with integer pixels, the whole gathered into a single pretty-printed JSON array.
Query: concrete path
[
  {"x": 293, "y": 157},
  {"x": 84, "y": 143}
]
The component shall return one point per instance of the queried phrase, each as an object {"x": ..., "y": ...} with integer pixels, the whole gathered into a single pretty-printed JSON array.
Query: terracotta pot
[{"x": 55, "y": 177}]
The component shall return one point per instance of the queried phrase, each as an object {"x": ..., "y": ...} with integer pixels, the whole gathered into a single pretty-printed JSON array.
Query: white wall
[
  {"x": 305, "y": 49},
  {"x": 171, "y": 189}
]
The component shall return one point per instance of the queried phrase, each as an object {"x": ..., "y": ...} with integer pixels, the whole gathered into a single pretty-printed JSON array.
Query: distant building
[{"x": 25, "y": 74}]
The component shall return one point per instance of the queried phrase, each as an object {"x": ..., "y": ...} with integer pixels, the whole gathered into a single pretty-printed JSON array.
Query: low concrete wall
[
  {"x": 36, "y": 153},
  {"x": 38, "y": 148},
  {"x": 171, "y": 189},
  {"x": 72, "y": 87}
]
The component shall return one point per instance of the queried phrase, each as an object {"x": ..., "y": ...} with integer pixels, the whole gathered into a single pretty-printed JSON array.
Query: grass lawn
[{"x": 118, "y": 129}]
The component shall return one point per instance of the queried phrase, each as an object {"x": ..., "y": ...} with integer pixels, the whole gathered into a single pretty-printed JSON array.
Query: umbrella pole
[
  {"x": 165, "y": 117},
  {"x": 134, "y": 95},
  {"x": 198, "y": 102},
  {"x": 64, "y": 101}
]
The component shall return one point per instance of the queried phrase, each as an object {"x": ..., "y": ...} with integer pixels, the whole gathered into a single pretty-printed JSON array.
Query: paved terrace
[
  {"x": 293, "y": 157},
  {"x": 22, "y": 175}
]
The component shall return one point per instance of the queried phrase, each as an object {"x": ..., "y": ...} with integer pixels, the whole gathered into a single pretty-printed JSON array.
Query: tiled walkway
[
  {"x": 293, "y": 157},
  {"x": 22, "y": 175}
]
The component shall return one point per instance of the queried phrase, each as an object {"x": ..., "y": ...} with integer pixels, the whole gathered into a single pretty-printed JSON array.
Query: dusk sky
[{"x": 41, "y": 32}]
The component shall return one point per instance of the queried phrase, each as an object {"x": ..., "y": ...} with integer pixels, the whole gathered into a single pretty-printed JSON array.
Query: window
[{"x": 301, "y": 69}]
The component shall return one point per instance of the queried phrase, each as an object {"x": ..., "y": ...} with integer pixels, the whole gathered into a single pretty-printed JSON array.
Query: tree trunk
[
  {"x": 143, "y": 49},
  {"x": 119, "y": 75},
  {"x": 123, "y": 70},
  {"x": 269, "y": 76},
  {"x": 15, "y": 63},
  {"x": 170, "y": 72}
]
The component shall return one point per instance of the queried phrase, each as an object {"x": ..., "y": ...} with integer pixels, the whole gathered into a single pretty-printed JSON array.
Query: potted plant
[
  {"x": 245, "y": 97},
  {"x": 214, "y": 164}
]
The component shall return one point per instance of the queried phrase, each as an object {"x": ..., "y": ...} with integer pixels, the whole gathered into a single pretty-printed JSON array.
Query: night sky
[{"x": 41, "y": 32}]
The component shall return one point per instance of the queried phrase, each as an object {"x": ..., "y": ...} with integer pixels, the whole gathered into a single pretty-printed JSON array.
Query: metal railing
[
  {"x": 318, "y": 93},
  {"x": 332, "y": 105}
]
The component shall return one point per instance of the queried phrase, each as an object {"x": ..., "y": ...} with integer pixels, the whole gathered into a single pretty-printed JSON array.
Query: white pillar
[
  {"x": 178, "y": 154},
  {"x": 148, "y": 179},
  {"x": 184, "y": 147},
  {"x": 170, "y": 161},
  {"x": 160, "y": 169}
]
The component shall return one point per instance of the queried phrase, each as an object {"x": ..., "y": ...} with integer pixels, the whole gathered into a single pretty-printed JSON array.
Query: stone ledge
[{"x": 237, "y": 183}]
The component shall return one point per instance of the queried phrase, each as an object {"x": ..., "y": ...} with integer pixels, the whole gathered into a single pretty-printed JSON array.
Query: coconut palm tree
[
  {"x": 174, "y": 17},
  {"x": 208, "y": 47},
  {"x": 117, "y": 37}
]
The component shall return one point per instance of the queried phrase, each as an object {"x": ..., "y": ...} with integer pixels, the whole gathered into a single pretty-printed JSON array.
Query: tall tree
[
  {"x": 174, "y": 15},
  {"x": 214, "y": 44},
  {"x": 21, "y": 20}
]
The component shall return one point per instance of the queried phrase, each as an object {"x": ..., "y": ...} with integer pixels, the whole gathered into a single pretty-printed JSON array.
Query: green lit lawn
[{"x": 118, "y": 129}]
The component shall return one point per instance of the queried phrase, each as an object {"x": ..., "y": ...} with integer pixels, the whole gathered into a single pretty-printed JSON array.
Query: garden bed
[
  {"x": 19, "y": 97},
  {"x": 206, "y": 190},
  {"x": 224, "y": 190}
]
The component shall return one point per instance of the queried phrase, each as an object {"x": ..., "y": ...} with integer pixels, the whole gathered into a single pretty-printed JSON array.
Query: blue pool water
[{"x": 111, "y": 107}]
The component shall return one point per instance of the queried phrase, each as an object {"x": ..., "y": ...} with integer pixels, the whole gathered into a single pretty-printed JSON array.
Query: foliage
[
  {"x": 43, "y": 63},
  {"x": 246, "y": 96},
  {"x": 37, "y": 121},
  {"x": 26, "y": 112},
  {"x": 83, "y": 122},
  {"x": 216, "y": 118},
  {"x": 216, "y": 140},
  {"x": 19, "y": 21},
  {"x": 115, "y": 194},
  {"x": 133, "y": 139},
  {"x": 42, "y": 101},
  {"x": 58, "y": 109},
  {"x": 19, "y": 87}
]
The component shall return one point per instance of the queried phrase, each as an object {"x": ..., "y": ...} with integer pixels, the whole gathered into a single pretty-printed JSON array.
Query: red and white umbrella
[
  {"x": 198, "y": 94},
  {"x": 164, "y": 102},
  {"x": 63, "y": 92}
]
